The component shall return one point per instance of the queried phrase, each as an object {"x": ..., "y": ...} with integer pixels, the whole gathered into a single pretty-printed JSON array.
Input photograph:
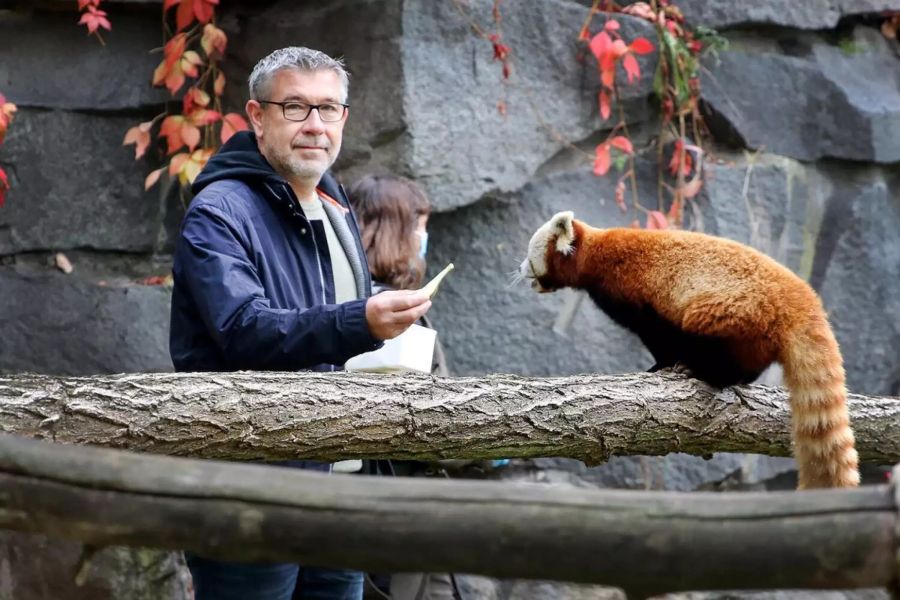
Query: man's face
[{"x": 299, "y": 150}]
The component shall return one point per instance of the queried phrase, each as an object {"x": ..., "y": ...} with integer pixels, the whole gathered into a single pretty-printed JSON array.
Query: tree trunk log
[
  {"x": 643, "y": 542},
  {"x": 250, "y": 416}
]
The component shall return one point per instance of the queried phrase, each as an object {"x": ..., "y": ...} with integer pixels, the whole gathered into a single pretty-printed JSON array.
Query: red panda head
[{"x": 553, "y": 241}]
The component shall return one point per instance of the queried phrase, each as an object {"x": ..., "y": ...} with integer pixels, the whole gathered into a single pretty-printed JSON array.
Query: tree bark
[
  {"x": 643, "y": 542},
  {"x": 250, "y": 416}
]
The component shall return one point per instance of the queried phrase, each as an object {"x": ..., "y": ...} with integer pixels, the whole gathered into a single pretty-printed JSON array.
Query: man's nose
[{"x": 313, "y": 123}]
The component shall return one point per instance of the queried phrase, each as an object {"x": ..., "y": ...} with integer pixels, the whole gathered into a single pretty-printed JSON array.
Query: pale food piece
[{"x": 431, "y": 287}]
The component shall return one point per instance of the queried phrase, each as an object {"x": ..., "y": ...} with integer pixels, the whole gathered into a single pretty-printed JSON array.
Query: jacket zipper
[{"x": 299, "y": 211}]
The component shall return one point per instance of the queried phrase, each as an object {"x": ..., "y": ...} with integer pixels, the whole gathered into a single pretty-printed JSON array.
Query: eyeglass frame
[{"x": 308, "y": 112}]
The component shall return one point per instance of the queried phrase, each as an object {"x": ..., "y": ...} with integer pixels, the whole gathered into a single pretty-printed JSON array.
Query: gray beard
[{"x": 292, "y": 168}]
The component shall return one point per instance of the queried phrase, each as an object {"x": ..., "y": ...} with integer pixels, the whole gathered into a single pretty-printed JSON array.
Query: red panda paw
[{"x": 678, "y": 368}]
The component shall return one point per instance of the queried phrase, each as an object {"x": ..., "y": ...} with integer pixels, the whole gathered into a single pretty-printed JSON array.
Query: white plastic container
[{"x": 412, "y": 350}]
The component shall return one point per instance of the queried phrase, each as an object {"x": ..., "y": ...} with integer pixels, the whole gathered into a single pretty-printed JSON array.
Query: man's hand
[{"x": 391, "y": 313}]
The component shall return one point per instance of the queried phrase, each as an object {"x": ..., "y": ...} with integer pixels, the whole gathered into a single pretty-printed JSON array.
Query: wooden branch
[
  {"x": 644, "y": 542},
  {"x": 334, "y": 416}
]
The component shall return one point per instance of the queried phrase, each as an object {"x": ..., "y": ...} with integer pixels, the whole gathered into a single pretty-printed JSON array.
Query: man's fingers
[
  {"x": 401, "y": 301},
  {"x": 411, "y": 315},
  {"x": 391, "y": 313}
]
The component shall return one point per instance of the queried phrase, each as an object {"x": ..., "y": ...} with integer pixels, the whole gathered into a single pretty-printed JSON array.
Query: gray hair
[{"x": 295, "y": 57}]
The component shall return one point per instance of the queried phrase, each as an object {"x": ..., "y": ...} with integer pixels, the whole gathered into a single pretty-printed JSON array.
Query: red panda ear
[{"x": 565, "y": 230}]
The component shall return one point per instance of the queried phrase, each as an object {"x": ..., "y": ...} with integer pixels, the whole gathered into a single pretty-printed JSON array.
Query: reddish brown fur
[{"x": 727, "y": 312}]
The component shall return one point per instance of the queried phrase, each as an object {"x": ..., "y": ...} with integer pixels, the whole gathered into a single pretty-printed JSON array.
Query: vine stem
[
  {"x": 595, "y": 8},
  {"x": 632, "y": 177},
  {"x": 679, "y": 185}
]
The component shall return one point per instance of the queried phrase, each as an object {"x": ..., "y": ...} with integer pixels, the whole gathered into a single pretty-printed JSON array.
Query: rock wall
[{"x": 804, "y": 107}]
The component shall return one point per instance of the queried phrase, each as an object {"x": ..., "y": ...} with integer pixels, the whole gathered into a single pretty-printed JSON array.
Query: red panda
[{"x": 722, "y": 310}]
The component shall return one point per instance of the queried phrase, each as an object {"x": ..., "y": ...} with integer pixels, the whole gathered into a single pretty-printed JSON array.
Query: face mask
[{"x": 423, "y": 243}]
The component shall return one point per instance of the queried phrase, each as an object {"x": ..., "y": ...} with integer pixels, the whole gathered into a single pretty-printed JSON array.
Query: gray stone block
[
  {"x": 73, "y": 185},
  {"x": 36, "y": 567},
  {"x": 829, "y": 102},
  {"x": 764, "y": 201},
  {"x": 673, "y": 472},
  {"x": 56, "y": 65},
  {"x": 860, "y": 267},
  {"x": 68, "y": 325},
  {"x": 800, "y": 14},
  {"x": 835, "y": 226},
  {"x": 452, "y": 88}
]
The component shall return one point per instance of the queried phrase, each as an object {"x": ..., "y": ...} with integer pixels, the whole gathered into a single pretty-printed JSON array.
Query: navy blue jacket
[{"x": 251, "y": 290}]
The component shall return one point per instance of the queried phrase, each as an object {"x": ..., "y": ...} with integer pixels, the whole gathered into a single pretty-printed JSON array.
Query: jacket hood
[{"x": 239, "y": 158}]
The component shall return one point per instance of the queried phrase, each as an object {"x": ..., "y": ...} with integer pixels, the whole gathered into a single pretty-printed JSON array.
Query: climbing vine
[
  {"x": 193, "y": 49},
  {"x": 676, "y": 85}
]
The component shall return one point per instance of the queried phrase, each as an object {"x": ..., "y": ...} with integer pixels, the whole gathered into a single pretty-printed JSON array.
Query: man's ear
[
  {"x": 565, "y": 231},
  {"x": 254, "y": 112}
]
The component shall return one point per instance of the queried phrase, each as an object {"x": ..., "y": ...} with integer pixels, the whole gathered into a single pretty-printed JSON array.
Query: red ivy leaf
[
  {"x": 95, "y": 18},
  {"x": 7, "y": 110},
  {"x": 139, "y": 135},
  {"x": 184, "y": 16},
  {"x": 600, "y": 44},
  {"x": 193, "y": 99},
  {"x": 631, "y": 67},
  {"x": 214, "y": 41},
  {"x": 640, "y": 9},
  {"x": 202, "y": 116},
  {"x": 219, "y": 86},
  {"x": 622, "y": 143},
  {"x": 188, "y": 166},
  {"x": 656, "y": 220},
  {"x": 231, "y": 124},
  {"x": 179, "y": 132},
  {"x": 605, "y": 109},
  {"x": 601, "y": 159},
  {"x": 188, "y": 10},
  {"x": 641, "y": 46},
  {"x": 174, "y": 49},
  {"x": 608, "y": 77},
  {"x": 676, "y": 160},
  {"x": 152, "y": 178}
]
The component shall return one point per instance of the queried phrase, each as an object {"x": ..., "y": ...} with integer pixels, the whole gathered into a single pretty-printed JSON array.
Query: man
[{"x": 269, "y": 273}]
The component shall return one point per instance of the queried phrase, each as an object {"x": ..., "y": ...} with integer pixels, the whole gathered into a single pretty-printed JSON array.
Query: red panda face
[{"x": 556, "y": 235}]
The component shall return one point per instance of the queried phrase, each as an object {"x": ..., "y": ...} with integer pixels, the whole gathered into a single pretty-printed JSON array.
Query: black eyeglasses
[{"x": 300, "y": 111}]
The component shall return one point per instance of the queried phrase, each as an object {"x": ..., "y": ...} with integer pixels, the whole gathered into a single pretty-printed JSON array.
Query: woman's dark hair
[{"x": 388, "y": 208}]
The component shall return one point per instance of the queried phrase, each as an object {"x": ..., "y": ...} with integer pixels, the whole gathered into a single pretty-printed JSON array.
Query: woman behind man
[{"x": 393, "y": 217}]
